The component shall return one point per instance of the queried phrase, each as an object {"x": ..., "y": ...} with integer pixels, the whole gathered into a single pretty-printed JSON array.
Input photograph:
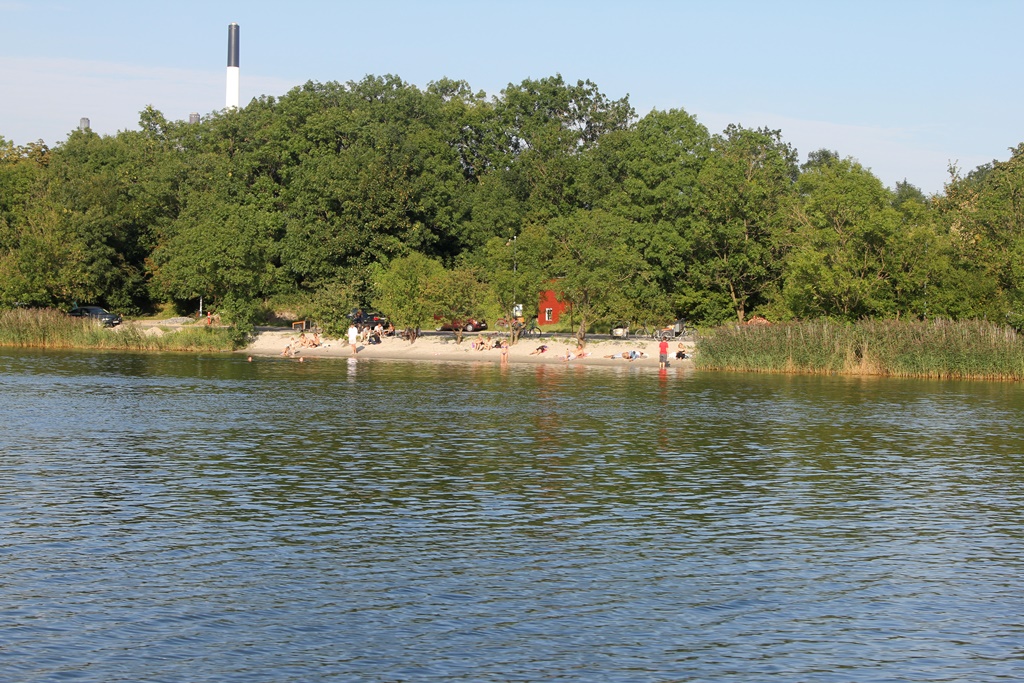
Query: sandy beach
[{"x": 442, "y": 347}]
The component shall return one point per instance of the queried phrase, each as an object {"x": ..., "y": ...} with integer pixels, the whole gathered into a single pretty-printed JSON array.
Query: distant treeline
[{"x": 443, "y": 202}]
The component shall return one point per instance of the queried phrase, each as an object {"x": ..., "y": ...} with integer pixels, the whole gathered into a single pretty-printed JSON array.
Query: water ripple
[{"x": 173, "y": 518}]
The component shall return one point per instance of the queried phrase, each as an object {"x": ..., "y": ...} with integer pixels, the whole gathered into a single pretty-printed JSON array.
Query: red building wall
[{"x": 549, "y": 308}]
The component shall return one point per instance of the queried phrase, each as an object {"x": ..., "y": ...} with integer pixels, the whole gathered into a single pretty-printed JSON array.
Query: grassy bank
[
  {"x": 967, "y": 349},
  {"x": 51, "y": 329}
]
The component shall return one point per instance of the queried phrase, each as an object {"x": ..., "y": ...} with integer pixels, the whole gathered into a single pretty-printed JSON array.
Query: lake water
[{"x": 200, "y": 518}]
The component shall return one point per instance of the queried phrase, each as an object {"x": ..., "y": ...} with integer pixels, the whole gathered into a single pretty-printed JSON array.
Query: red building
[{"x": 549, "y": 308}]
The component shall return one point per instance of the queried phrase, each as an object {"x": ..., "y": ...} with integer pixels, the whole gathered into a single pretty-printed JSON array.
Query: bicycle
[
  {"x": 646, "y": 331},
  {"x": 677, "y": 330},
  {"x": 530, "y": 329}
]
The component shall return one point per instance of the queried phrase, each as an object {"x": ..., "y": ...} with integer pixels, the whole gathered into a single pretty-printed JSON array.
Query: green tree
[
  {"x": 403, "y": 291},
  {"x": 44, "y": 262},
  {"x": 984, "y": 216},
  {"x": 596, "y": 269},
  {"x": 34, "y": 253},
  {"x": 516, "y": 271},
  {"x": 220, "y": 252},
  {"x": 740, "y": 232},
  {"x": 649, "y": 172},
  {"x": 330, "y": 306},
  {"x": 544, "y": 128},
  {"x": 456, "y": 296},
  {"x": 862, "y": 250},
  {"x": 22, "y": 169},
  {"x": 384, "y": 169},
  {"x": 843, "y": 264},
  {"x": 924, "y": 280}
]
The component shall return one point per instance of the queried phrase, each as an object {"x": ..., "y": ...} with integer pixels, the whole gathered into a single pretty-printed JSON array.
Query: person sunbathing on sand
[
  {"x": 539, "y": 350},
  {"x": 630, "y": 355},
  {"x": 573, "y": 355}
]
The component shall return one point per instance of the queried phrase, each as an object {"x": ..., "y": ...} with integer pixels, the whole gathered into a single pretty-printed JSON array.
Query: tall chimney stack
[{"x": 231, "y": 101}]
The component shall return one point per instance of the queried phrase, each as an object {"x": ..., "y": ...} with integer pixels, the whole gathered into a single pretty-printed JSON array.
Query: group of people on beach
[
  {"x": 486, "y": 345},
  {"x": 303, "y": 342},
  {"x": 663, "y": 353},
  {"x": 366, "y": 334},
  {"x": 570, "y": 353}
]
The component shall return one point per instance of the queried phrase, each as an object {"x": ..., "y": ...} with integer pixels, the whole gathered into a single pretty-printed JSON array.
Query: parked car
[
  {"x": 371, "y": 318},
  {"x": 97, "y": 313},
  {"x": 620, "y": 329},
  {"x": 467, "y": 325}
]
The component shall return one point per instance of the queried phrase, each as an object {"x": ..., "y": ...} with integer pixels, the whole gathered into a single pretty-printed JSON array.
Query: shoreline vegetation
[
  {"x": 934, "y": 349},
  {"x": 53, "y": 329}
]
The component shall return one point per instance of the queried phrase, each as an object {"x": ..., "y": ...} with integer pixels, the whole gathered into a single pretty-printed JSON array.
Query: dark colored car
[
  {"x": 371, "y": 318},
  {"x": 97, "y": 313},
  {"x": 468, "y": 325}
]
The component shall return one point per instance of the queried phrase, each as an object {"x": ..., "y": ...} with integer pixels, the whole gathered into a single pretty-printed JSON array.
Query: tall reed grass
[
  {"x": 52, "y": 329},
  {"x": 965, "y": 349}
]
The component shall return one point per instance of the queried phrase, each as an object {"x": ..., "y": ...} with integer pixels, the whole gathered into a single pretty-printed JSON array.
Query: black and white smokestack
[{"x": 231, "y": 100}]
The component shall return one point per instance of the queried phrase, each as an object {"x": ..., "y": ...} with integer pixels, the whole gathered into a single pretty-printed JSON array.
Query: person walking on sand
[
  {"x": 353, "y": 337},
  {"x": 663, "y": 353}
]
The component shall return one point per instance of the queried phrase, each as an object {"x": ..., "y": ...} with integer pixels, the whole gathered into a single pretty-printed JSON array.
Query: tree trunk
[
  {"x": 581, "y": 333},
  {"x": 738, "y": 304}
]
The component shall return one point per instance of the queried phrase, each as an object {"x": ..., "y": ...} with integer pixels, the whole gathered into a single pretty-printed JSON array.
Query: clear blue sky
[{"x": 905, "y": 87}]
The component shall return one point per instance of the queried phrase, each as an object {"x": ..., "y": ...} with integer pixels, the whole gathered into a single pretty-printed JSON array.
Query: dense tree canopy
[{"x": 444, "y": 202}]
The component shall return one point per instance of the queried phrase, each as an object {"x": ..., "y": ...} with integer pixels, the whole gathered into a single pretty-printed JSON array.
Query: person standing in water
[{"x": 353, "y": 337}]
